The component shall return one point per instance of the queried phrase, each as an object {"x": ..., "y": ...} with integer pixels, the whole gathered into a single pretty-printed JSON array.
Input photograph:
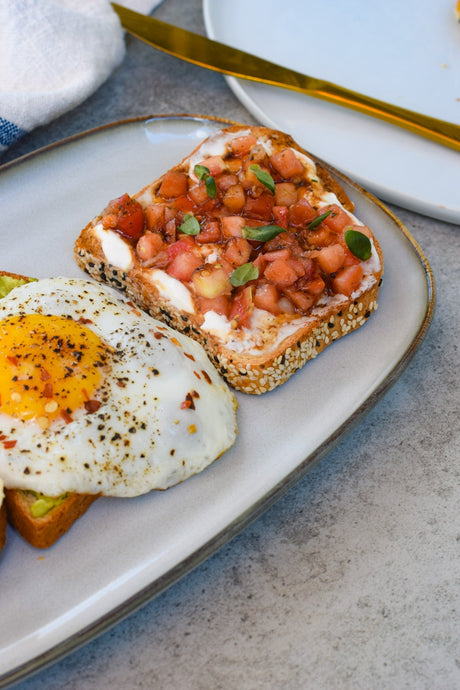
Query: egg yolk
[{"x": 50, "y": 366}]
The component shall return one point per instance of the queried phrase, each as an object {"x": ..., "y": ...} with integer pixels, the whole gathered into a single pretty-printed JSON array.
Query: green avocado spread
[
  {"x": 7, "y": 284},
  {"x": 43, "y": 504}
]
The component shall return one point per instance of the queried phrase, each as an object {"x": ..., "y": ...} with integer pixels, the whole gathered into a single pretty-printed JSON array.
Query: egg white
[{"x": 142, "y": 437}]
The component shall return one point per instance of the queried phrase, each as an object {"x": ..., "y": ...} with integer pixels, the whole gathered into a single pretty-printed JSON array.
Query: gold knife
[{"x": 237, "y": 63}]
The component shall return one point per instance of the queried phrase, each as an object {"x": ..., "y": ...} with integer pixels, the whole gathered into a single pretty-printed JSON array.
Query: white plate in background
[{"x": 407, "y": 53}]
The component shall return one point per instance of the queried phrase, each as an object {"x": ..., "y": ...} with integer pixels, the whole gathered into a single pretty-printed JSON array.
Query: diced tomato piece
[
  {"x": 154, "y": 216},
  {"x": 185, "y": 244},
  {"x": 210, "y": 232},
  {"x": 170, "y": 230},
  {"x": 285, "y": 193},
  {"x": 183, "y": 204},
  {"x": 225, "y": 180},
  {"x": 331, "y": 258},
  {"x": 174, "y": 184},
  {"x": 232, "y": 226},
  {"x": 260, "y": 207},
  {"x": 280, "y": 273},
  {"x": 129, "y": 216},
  {"x": 234, "y": 165},
  {"x": 322, "y": 237},
  {"x": 338, "y": 219},
  {"x": 238, "y": 251},
  {"x": 266, "y": 297},
  {"x": 234, "y": 198},
  {"x": 240, "y": 146},
  {"x": 212, "y": 281},
  {"x": 284, "y": 253},
  {"x": 199, "y": 194},
  {"x": 301, "y": 300},
  {"x": 242, "y": 306},
  {"x": 297, "y": 266},
  {"x": 215, "y": 165},
  {"x": 315, "y": 286},
  {"x": 220, "y": 304},
  {"x": 183, "y": 266},
  {"x": 347, "y": 280},
  {"x": 301, "y": 213},
  {"x": 287, "y": 163},
  {"x": 149, "y": 245},
  {"x": 280, "y": 216}
]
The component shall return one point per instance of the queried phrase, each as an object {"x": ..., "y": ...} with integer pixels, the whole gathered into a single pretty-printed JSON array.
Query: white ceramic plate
[
  {"x": 123, "y": 552},
  {"x": 407, "y": 53}
]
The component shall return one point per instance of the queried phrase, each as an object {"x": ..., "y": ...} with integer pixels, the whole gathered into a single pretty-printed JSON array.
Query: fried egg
[{"x": 97, "y": 397}]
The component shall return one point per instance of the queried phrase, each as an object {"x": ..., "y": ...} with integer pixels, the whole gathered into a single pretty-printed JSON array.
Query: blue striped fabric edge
[{"x": 9, "y": 132}]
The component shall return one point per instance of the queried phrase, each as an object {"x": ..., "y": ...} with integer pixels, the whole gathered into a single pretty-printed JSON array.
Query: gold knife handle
[{"x": 228, "y": 60}]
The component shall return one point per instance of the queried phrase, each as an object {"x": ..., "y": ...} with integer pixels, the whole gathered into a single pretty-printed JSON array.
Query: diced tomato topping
[
  {"x": 149, "y": 245},
  {"x": 199, "y": 194},
  {"x": 238, "y": 251},
  {"x": 240, "y": 146},
  {"x": 183, "y": 204},
  {"x": 348, "y": 279},
  {"x": 129, "y": 216},
  {"x": 301, "y": 300},
  {"x": 234, "y": 198},
  {"x": 315, "y": 286},
  {"x": 183, "y": 266},
  {"x": 225, "y": 180},
  {"x": 301, "y": 213},
  {"x": 210, "y": 232},
  {"x": 170, "y": 230},
  {"x": 260, "y": 207},
  {"x": 232, "y": 226},
  {"x": 285, "y": 193},
  {"x": 154, "y": 216},
  {"x": 215, "y": 165},
  {"x": 174, "y": 184},
  {"x": 212, "y": 281},
  {"x": 220, "y": 304},
  {"x": 280, "y": 216},
  {"x": 266, "y": 296},
  {"x": 184, "y": 244},
  {"x": 284, "y": 253},
  {"x": 322, "y": 237},
  {"x": 337, "y": 219},
  {"x": 242, "y": 306},
  {"x": 331, "y": 258},
  {"x": 287, "y": 163},
  {"x": 281, "y": 273}
]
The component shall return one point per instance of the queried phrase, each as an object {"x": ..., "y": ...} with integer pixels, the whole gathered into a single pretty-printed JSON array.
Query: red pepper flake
[
  {"x": 9, "y": 444},
  {"x": 83, "y": 320},
  {"x": 44, "y": 375},
  {"x": 2, "y": 436},
  {"x": 48, "y": 390},
  {"x": 187, "y": 354},
  {"x": 188, "y": 403},
  {"x": 12, "y": 359},
  {"x": 158, "y": 335},
  {"x": 65, "y": 416},
  {"x": 92, "y": 405},
  {"x": 175, "y": 342},
  {"x": 206, "y": 376},
  {"x": 197, "y": 375},
  {"x": 134, "y": 308}
]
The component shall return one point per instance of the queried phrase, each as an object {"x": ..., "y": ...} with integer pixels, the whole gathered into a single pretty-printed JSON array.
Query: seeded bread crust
[
  {"x": 44, "y": 531},
  {"x": 254, "y": 374}
]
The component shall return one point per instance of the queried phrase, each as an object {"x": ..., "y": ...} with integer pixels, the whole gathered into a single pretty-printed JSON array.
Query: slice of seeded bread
[{"x": 263, "y": 356}]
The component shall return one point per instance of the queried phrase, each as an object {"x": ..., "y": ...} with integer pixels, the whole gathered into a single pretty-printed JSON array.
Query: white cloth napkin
[{"x": 53, "y": 55}]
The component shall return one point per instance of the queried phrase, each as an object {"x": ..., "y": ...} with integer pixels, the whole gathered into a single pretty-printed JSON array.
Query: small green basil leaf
[
  {"x": 201, "y": 171},
  {"x": 359, "y": 244},
  {"x": 263, "y": 176},
  {"x": 314, "y": 223},
  {"x": 262, "y": 233},
  {"x": 190, "y": 225},
  {"x": 210, "y": 186},
  {"x": 243, "y": 274}
]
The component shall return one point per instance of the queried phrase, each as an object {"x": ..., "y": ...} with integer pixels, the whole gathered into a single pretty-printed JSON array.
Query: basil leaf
[
  {"x": 316, "y": 221},
  {"x": 359, "y": 244},
  {"x": 210, "y": 186},
  {"x": 243, "y": 274},
  {"x": 201, "y": 171},
  {"x": 190, "y": 225},
  {"x": 262, "y": 233},
  {"x": 263, "y": 176}
]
